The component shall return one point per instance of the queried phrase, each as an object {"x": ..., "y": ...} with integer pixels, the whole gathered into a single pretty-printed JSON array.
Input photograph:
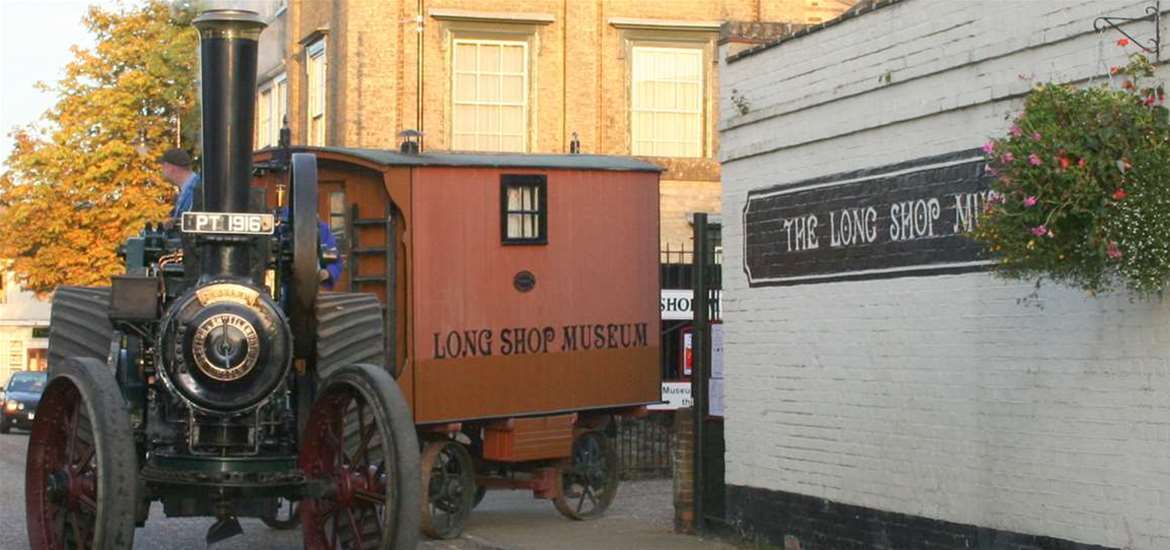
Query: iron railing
[{"x": 644, "y": 445}]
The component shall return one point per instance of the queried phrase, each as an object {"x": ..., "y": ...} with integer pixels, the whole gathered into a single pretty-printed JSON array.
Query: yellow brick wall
[{"x": 579, "y": 75}]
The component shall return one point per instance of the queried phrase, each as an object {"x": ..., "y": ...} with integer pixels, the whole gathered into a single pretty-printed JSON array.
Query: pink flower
[
  {"x": 990, "y": 170},
  {"x": 1015, "y": 131},
  {"x": 1030, "y": 201},
  {"x": 1007, "y": 158},
  {"x": 1119, "y": 194},
  {"x": 989, "y": 148},
  {"x": 1064, "y": 162},
  {"x": 1081, "y": 163},
  {"x": 1123, "y": 42},
  {"x": 994, "y": 198},
  {"x": 1113, "y": 251},
  {"x": 1034, "y": 160},
  {"x": 1149, "y": 101},
  {"x": 1040, "y": 230},
  {"x": 1036, "y": 136}
]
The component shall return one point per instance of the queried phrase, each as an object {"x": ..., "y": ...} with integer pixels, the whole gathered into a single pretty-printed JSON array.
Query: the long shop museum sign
[{"x": 897, "y": 220}]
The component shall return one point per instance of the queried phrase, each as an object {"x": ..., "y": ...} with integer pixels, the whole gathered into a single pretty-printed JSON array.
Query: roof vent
[{"x": 411, "y": 142}]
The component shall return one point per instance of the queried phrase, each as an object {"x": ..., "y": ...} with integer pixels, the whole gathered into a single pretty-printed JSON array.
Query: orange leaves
[{"x": 77, "y": 184}]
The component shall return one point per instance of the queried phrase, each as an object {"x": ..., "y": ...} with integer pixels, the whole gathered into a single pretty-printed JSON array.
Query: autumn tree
[{"x": 85, "y": 176}]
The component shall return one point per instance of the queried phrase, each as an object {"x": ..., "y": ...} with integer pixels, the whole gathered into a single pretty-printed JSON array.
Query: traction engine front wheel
[
  {"x": 80, "y": 477},
  {"x": 359, "y": 444}
]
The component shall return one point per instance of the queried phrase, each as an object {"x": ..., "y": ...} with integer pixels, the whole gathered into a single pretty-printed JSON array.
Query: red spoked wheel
[
  {"x": 80, "y": 478},
  {"x": 589, "y": 479},
  {"x": 359, "y": 442}
]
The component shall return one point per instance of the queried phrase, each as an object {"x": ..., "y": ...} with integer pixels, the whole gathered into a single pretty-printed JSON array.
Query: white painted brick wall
[{"x": 937, "y": 396}]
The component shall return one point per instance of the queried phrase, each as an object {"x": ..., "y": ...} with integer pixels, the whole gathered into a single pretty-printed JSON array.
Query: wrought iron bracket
[{"x": 1153, "y": 13}]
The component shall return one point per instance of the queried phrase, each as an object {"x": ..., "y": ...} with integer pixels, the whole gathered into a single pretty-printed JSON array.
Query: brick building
[
  {"x": 620, "y": 76},
  {"x": 883, "y": 390}
]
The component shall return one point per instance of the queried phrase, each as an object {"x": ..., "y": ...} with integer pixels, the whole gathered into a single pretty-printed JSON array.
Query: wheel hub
[{"x": 351, "y": 482}]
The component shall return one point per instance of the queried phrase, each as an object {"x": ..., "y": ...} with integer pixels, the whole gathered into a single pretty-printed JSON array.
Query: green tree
[{"x": 85, "y": 176}]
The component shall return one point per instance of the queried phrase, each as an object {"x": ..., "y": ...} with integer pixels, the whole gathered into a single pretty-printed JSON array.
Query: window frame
[
  {"x": 340, "y": 230},
  {"x": 277, "y": 107},
  {"x": 16, "y": 348},
  {"x": 526, "y": 74},
  {"x": 315, "y": 50},
  {"x": 699, "y": 48},
  {"x": 540, "y": 182},
  {"x": 264, "y": 130}
]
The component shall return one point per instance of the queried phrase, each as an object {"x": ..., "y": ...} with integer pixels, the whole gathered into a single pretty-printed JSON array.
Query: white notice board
[{"x": 715, "y": 385}]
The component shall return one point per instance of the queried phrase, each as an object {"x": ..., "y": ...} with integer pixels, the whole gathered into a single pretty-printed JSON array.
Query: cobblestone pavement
[{"x": 640, "y": 519}]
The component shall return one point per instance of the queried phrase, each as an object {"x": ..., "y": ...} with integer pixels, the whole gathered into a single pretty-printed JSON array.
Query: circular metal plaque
[
  {"x": 225, "y": 347},
  {"x": 524, "y": 281}
]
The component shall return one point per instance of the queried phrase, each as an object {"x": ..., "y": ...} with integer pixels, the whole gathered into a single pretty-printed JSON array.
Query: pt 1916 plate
[{"x": 230, "y": 223}]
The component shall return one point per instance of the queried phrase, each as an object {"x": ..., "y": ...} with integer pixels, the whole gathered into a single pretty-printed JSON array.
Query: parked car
[{"x": 21, "y": 396}]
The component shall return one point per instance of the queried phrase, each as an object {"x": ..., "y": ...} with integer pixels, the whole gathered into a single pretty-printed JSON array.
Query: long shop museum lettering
[
  {"x": 456, "y": 344},
  {"x": 898, "y": 220},
  {"x": 908, "y": 220}
]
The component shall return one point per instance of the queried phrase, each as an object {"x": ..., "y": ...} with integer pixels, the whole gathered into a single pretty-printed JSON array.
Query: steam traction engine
[{"x": 199, "y": 377}]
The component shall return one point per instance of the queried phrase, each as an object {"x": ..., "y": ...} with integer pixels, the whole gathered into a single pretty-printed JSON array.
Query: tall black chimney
[{"x": 227, "y": 52}]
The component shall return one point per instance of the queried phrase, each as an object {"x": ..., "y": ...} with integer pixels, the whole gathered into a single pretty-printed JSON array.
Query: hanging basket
[{"x": 1082, "y": 195}]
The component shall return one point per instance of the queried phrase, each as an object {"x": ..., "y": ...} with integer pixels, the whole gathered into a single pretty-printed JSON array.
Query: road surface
[{"x": 640, "y": 519}]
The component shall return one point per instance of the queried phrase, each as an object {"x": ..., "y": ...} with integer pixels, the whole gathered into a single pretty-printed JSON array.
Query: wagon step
[
  {"x": 367, "y": 279},
  {"x": 374, "y": 221},
  {"x": 369, "y": 250}
]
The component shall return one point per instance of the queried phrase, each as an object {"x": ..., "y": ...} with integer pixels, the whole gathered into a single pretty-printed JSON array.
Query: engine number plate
[{"x": 228, "y": 222}]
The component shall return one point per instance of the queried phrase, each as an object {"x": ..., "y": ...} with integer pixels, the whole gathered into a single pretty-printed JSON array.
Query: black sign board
[{"x": 893, "y": 221}]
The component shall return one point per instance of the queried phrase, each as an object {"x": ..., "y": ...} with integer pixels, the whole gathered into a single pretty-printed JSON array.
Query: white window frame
[
  {"x": 700, "y": 112},
  {"x": 312, "y": 52},
  {"x": 16, "y": 348},
  {"x": 527, "y": 132},
  {"x": 264, "y": 128},
  {"x": 279, "y": 105},
  {"x": 277, "y": 90}
]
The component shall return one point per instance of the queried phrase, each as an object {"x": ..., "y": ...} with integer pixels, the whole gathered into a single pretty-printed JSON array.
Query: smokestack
[{"x": 227, "y": 52}]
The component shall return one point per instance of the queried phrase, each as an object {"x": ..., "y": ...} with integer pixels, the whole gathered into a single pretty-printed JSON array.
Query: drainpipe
[{"x": 419, "y": 74}]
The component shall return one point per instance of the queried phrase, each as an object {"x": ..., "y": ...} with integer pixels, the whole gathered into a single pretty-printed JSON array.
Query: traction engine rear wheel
[
  {"x": 360, "y": 442},
  {"x": 448, "y": 483},
  {"x": 79, "y": 324},
  {"x": 81, "y": 470},
  {"x": 589, "y": 479}
]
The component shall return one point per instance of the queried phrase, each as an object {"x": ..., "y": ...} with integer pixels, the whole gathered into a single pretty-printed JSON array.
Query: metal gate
[{"x": 645, "y": 445}]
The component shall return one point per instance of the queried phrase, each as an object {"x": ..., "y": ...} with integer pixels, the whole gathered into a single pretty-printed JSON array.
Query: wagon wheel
[
  {"x": 360, "y": 444},
  {"x": 480, "y": 492},
  {"x": 284, "y": 517},
  {"x": 81, "y": 470},
  {"x": 590, "y": 481},
  {"x": 448, "y": 482}
]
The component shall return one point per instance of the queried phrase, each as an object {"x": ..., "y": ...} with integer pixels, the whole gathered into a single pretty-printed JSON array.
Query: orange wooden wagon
[{"x": 521, "y": 296}]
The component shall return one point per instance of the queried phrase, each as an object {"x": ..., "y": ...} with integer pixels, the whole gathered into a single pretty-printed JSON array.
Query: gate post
[{"x": 702, "y": 351}]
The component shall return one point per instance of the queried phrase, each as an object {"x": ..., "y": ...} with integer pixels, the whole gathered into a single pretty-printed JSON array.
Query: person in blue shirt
[
  {"x": 330, "y": 273},
  {"x": 176, "y": 168}
]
